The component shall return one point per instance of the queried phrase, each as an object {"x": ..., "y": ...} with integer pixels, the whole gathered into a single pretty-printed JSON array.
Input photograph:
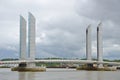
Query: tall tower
[
  {"x": 99, "y": 44},
  {"x": 31, "y": 36},
  {"x": 88, "y": 43},
  {"x": 27, "y": 66},
  {"x": 22, "y": 38}
]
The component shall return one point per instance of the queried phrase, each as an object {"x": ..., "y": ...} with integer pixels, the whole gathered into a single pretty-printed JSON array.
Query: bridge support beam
[{"x": 99, "y": 45}]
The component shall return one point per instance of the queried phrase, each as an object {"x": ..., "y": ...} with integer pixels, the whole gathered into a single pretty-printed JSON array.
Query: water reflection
[
  {"x": 99, "y": 75},
  {"x": 22, "y": 76},
  {"x": 30, "y": 76},
  {"x": 88, "y": 75},
  {"x": 94, "y": 75},
  {"x": 26, "y": 76}
]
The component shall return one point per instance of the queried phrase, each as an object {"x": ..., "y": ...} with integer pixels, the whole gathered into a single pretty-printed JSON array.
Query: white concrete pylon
[
  {"x": 22, "y": 38},
  {"x": 88, "y": 43},
  {"x": 31, "y": 39},
  {"x": 99, "y": 44},
  {"x": 31, "y": 36}
]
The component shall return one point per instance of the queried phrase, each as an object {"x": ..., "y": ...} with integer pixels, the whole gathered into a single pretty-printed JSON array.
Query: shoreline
[{"x": 22, "y": 69}]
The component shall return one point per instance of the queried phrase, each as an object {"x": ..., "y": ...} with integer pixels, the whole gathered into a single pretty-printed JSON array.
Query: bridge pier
[
  {"x": 31, "y": 65},
  {"x": 89, "y": 66},
  {"x": 22, "y": 65},
  {"x": 31, "y": 45}
]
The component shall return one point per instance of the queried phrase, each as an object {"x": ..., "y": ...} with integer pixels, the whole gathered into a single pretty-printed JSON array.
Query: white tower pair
[
  {"x": 99, "y": 44},
  {"x": 31, "y": 38}
]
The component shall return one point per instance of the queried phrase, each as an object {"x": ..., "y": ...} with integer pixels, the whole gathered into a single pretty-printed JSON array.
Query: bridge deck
[{"x": 58, "y": 61}]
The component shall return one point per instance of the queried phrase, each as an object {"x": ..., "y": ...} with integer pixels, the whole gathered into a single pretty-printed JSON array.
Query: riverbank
[
  {"x": 36, "y": 69},
  {"x": 4, "y": 67},
  {"x": 97, "y": 69}
]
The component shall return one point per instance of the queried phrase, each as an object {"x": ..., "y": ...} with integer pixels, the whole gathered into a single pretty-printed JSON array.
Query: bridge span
[{"x": 59, "y": 61}]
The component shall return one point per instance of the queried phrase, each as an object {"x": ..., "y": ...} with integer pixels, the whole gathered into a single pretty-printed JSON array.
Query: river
[{"x": 59, "y": 74}]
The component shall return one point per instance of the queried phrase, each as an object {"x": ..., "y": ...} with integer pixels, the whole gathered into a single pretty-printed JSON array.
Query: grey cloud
[{"x": 100, "y": 10}]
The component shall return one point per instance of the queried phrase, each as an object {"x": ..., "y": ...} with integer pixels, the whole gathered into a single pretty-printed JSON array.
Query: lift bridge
[{"x": 30, "y": 60}]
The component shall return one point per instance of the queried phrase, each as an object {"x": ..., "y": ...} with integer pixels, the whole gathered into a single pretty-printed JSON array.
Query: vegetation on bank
[
  {"x": 9, "y": 59},
  {"x": 23, "y": 69},
  {"x": 48, "y": 64},
  {"x": 4, "y": 67}
]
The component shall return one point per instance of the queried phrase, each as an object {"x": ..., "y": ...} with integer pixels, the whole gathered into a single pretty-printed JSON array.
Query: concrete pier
[
  {"x": 88, "y": 43},
  {"x": 99, "y": 44},
  {"x": 25, "y": 66}
]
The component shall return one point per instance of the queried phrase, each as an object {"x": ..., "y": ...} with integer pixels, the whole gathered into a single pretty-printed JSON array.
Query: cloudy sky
[{"x": 61, "y": 26}]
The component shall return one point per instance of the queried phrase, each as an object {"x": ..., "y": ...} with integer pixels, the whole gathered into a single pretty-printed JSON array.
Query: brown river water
[{"x": 59, "y": 74}]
